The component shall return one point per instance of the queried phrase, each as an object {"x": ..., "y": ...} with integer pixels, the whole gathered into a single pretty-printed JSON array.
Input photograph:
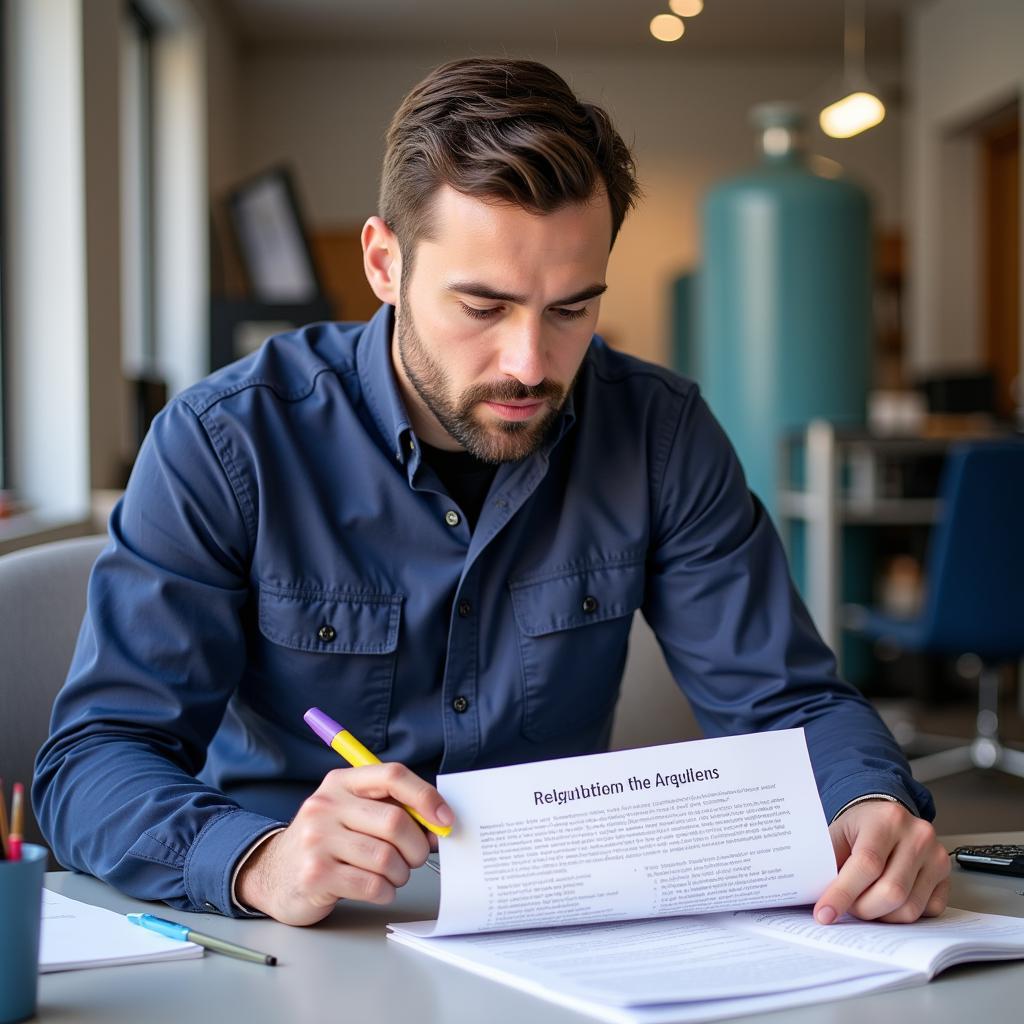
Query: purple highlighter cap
[{"x": 323, "y": 725}]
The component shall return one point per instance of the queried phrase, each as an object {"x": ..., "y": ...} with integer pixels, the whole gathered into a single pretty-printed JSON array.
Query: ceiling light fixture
[
  {"x": 667, "y": 28},
  {"x": 686, "y": 8},
  {"x": 860, "y": 108}
]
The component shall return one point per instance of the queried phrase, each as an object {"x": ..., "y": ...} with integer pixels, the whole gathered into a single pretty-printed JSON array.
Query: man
[{"x": 437, "y": 527}]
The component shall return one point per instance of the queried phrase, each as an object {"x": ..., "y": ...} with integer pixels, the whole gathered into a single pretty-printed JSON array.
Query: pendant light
[{"x": 860, "y": 108}]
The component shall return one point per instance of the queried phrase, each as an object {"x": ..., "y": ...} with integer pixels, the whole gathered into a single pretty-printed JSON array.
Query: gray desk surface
[{"x": 345, "y": 969}]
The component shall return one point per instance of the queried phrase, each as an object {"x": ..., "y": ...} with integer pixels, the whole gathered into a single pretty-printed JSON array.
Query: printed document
[
  {"x": 714, "y": 966},
  {"x": 685, "y": 828},
  {"x": 657, "y": 885}
]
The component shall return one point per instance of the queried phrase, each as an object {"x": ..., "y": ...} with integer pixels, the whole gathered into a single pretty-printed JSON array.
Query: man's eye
[
  {"x": 572, "y": 314},
  {"x": 479, "y": 314}
]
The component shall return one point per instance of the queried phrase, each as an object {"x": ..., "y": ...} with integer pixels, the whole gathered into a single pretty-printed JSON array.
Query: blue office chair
[{"x": 974, "y": 605}]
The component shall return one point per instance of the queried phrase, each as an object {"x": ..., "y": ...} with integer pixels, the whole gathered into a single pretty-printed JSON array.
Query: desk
[{"x": 344, "y": 969}]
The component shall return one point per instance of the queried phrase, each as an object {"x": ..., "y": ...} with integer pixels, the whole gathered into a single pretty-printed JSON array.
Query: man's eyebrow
[{"x": 482, "y": 291}]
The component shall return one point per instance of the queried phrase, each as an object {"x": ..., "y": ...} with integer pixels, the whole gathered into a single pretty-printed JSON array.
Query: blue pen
[{"x": 183, "y": 933}]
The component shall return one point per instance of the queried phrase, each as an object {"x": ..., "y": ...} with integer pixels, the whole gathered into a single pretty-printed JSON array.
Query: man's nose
[{"x": 522, "y": 353}]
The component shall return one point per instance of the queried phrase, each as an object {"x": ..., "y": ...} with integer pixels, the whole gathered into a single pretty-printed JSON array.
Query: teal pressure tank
[{"x": 784, "y": 308}]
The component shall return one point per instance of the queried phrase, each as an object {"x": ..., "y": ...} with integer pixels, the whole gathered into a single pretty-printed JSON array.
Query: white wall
[
  {"x": 964, "y": 62},
  {"x": 181, "y": 220},
  {"x": 325, "y": 111},
  {"x": 45, "y": 289}
]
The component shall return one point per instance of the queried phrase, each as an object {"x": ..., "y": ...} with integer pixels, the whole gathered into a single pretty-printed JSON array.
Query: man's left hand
[{"x": 891, "y": 866}]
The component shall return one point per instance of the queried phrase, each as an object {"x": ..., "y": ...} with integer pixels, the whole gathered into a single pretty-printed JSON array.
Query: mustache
[{"x": 513, "y": 391}]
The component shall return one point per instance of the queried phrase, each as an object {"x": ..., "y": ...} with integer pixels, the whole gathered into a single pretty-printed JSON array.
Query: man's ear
[{"x": 382, "y": 260}]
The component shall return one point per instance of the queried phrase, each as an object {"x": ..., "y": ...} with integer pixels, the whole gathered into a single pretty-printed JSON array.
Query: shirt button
[
  {"x": 590, "y": 604},
  {"x": 460, "y": 704},
  {"x": 464, "y": 609},
  {"x": 326, "y": 633},
  {"x": 451, "y": 517}
]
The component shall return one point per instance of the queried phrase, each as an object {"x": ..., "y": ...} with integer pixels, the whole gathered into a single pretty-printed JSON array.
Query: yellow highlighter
[{"x": 345, "y": 744}]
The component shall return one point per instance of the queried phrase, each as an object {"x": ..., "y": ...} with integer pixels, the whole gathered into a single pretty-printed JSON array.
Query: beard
[{"x": 495, "y": 442}]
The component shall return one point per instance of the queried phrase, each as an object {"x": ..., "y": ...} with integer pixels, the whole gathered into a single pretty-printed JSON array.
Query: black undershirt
[{"x": 466, "y": 478}]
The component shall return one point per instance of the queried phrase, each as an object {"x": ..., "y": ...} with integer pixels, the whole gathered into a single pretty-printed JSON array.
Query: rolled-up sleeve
[
  {"x": 159, "y": 654},
  {"x": 736, "y": 635}
]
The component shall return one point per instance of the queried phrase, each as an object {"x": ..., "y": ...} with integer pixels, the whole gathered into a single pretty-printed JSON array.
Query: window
[{"x": 138, "y": 314}]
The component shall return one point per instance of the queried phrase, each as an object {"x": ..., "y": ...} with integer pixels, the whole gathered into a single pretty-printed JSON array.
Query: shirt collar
[
  {"x": 380, "y": 388},
  {"x": 377, "y": 380}
]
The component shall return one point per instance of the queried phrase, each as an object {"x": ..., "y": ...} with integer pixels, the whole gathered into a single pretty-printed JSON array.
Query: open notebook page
[{"x": 76, "y": 935}]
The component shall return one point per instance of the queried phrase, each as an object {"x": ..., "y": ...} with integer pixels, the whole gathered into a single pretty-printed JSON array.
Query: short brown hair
[{"x": 510, "y": 130}]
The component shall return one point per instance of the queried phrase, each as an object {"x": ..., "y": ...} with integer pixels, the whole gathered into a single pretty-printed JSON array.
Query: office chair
[
  {"x": 651, "y": 707},
  {"x": 974, "y": 604},
  {"x": 42, "y": 600}
]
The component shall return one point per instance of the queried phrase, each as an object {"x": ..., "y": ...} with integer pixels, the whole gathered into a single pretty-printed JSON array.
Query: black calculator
[{"x": 1003, "y": 860}]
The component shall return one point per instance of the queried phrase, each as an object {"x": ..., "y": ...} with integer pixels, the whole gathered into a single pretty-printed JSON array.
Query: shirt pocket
[
  {"x": 573, "y": 635},
  {"x": 335, "y": 649}
]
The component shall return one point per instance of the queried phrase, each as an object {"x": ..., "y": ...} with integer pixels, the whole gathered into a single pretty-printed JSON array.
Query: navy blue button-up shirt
[{"x": 282, "y": 544}]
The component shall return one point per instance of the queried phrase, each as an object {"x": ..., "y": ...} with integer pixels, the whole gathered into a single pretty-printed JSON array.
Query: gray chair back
[
  {"x": 42, "y": 601},
  {"x": 651, "y": 708}
]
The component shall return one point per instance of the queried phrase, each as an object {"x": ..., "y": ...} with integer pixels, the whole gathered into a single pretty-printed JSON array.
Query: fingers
[
  {"x": 373, "y": 856},
  {"x": 354, "y": 883},
  {"x": 939, "y": 899},
  {"x": 384, "y": 821},
  {"x": 365, "y": 855},
  {"x": 862, "y": 869},
  {"x": 905, "y": 866},
  {"x": 376, "y": 832},
  {"x": 351, "y": 839},
  {"x": 896, "y": 869},
  {"x": 317, "y": 877},
  {"x": 395, "y": 781},
  {"x": 927, "y": 898}
]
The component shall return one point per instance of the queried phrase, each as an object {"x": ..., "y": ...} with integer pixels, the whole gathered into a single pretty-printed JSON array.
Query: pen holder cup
[{"x": 21, "y": 897}]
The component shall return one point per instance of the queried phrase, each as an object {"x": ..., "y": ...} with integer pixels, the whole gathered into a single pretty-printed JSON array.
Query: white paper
[
  {"x": 928, "y": 946},
  {"x": 76, "y": 935},
  {"x": 720, "y": 831},
  {"x": 685, "y": 828},
  {"x": 705, "y": 968},
  {"x": 643, "y": 963}
]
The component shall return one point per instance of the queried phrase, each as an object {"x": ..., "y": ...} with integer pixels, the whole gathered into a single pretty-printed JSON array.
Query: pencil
[
  {"x": 17, "y": 822},
  {"x": 3, "y": 821}
]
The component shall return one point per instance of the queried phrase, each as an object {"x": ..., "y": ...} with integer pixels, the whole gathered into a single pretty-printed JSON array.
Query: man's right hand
[{"x": 349, "y": 840}]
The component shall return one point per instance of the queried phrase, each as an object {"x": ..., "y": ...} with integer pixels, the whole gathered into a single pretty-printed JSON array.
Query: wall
[
  {"x": 222, "y": 131},
  {"x": 181, "y": 219},
  {"x": 45, "y": 291},
  {"x": 963, "y": 62},
  {"x": 101, "y": 24},
  {"x": 222, "y": 97},
  {"x": 325, "y": 112}
]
